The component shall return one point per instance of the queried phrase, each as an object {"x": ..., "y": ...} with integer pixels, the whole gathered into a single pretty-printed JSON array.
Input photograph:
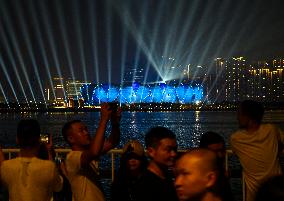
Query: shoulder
[
  {"x": 74, "y": 156},
  {"x": 268, "y": 127},
  {"x": 9, "y": 163},
  {"x": 237, "y": 135},
  {"x": 44, "y": 163},
  {"x": 73, "y": 160}
]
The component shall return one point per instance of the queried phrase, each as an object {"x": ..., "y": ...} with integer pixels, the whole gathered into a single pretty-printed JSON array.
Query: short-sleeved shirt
[
  {"x": 30, "y": 179},
  {"x": 258, "y": 154},
  {"x": 83, "y": 181}
]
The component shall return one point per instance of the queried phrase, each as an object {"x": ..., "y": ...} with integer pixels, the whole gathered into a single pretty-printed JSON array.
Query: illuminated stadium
[{"x": 154, "y": 93}]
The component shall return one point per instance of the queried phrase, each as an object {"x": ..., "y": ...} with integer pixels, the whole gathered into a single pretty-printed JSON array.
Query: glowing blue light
[
  {"x": 180, "y": 93},
  {"x": 87, "y": 93},
  {"x": 157, "y": 94},
  {"x": 125, "y": 95},
  {"x": 105, "y": 93},
  {"x": 169, "y": 95},
  {"x": 143, "y": 95},
  {"x": 161, "y": 93}
]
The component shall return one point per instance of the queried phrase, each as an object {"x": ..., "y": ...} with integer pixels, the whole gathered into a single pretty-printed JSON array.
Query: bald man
[{"x": 198, "y": 176}]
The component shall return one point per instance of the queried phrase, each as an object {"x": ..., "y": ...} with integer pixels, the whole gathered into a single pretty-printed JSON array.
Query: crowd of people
[{"x": 160, "y": 173}]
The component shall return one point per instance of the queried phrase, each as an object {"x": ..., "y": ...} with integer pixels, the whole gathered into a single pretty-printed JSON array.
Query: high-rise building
[
  {"x": 59, "y": 91},
  {"x": 266, "y": 81},
  {"x": 217, "y": 83},
  {"x": 237, "y": 79},
  {"x": 2, "y": 99},
  {"x": 73, "y": 89},
  {"x": 133, "y": 74}
]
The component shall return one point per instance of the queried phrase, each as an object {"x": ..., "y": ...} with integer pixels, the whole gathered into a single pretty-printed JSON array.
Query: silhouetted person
[
  {"x": 133, "y": 164},
  {"x": 27, "y": 177},
  {"x": 271, "y": 190},
  {"x": 216, "y": 143},
  {"x": 257, "y": 145}
]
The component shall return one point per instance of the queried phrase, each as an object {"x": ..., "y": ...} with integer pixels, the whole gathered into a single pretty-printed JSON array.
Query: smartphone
[
  {"x": 45, "y": 138},
  {"x": 58, "y": 160}
]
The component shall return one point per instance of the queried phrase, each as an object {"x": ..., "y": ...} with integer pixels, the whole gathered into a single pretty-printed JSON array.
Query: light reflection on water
[{"x": 187, "y": 125}]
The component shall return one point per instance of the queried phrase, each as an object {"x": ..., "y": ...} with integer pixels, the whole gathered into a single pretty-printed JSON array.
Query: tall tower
[
  {"x": 59, "y": 91},
  {"x": 236, "y": 79},
  {"x": 218, "y": 87}
]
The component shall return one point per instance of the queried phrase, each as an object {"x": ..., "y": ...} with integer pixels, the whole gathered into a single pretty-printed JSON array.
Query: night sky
[{"x": 96, "y": 40}]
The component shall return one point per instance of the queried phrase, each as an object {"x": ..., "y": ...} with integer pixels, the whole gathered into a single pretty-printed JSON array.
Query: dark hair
[
  {"x": 252, "y": 109},
  {"x": 28, "y": 133},
  {"x": 210, "y": 138},
  {"x": 156, "y": 134},
  {"x": 271, "y": 189},
  {"x": 66, "y": 128},
  {"x": 123, "y": 171}
]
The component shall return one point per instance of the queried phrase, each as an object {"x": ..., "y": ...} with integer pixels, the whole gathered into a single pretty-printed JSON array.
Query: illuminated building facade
[
  {"x": 158, "y": 93},
  {"x": 2, "y": 98},
  {"x": 216, "y": 92},
  {"x": 73, "y": 92},
  {"x": 266, "y": 81},
  {"x": 235, "y": 79},
  {"x": 59, "y": 91},
  {"x": 73, "y": 89},
  {"x": 240, "y": 80}
]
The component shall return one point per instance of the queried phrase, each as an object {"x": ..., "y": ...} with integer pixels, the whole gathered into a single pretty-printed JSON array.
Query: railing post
[
  {"x": 226, "y": 162},
  {"x": 112, "y": 165},
  {"x": 244, "y": 187}
]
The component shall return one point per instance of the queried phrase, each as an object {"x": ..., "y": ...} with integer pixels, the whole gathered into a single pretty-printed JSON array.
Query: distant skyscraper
[
  {"x": 266, "y": 81},
  {"x": 73, "y": 89},
  {"x": 133, "y": 74},
  {"x": 2, "y": 99},
  {"x": 218, "y": 84},
  {"x": 237, "y": 79},
  {"x": 59, "y": 91}
]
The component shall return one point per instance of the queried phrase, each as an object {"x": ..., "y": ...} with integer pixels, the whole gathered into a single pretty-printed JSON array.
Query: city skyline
[
  {"x": 96, "y": 40},
  {"x": 230, "y": 80}
]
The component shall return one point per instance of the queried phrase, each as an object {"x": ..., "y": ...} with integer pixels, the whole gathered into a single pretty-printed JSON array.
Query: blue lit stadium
[{"x": 155, "y": 93}]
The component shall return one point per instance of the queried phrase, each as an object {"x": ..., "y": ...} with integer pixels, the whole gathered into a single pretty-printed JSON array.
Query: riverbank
[{"x": 149, "y": 107}]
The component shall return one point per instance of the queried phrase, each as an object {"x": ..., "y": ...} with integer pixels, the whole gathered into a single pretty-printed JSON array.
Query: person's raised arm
[
  {"x": 114, "y": 137},
  {"x": 96, "y": 144}
]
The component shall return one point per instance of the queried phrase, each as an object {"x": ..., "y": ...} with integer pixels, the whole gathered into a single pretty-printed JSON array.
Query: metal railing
[{"x": 12, "y": 153}]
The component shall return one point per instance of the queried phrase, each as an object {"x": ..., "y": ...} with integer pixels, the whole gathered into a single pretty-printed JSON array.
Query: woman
[{"x": 133, "y": 163}]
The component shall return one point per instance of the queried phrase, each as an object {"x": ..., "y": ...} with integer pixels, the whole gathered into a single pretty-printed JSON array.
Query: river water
[{"x": 188, "y": 125}]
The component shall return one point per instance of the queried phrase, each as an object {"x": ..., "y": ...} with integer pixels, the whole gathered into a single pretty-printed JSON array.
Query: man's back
[
  {"x": 30, "y": 179},
  {"x": 258, "y": 154}
]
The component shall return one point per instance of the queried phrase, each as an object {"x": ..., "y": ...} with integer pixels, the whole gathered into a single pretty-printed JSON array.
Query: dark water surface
[{"x": 187, "y": 125}]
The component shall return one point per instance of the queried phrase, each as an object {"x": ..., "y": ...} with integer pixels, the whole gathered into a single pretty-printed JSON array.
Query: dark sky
[{"x": 95, "y": 40}]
